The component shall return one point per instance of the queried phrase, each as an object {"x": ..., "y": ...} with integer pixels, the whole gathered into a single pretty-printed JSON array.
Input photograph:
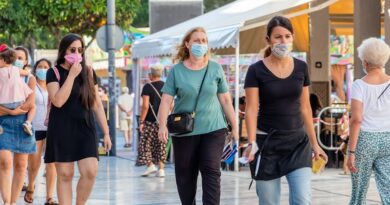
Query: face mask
[
  {"x": 281, "y": 50},
  {"x": 199, "y": 50},
  {"x": 41, "y": 73},
  {"x": 73, "y": 58},
  {"x": 19, "y": 63}
]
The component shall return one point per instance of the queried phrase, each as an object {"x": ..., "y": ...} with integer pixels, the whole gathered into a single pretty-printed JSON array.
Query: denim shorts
[{"x": 13, "y": 137}]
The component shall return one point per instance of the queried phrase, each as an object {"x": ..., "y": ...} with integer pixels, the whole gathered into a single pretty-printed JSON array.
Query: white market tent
[{"x": 240, "y": 22}]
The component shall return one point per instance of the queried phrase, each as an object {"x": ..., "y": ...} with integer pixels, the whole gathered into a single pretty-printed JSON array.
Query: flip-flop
[
  {"x": 51, "y": 201},
  {"x": 29, "y": 194}
]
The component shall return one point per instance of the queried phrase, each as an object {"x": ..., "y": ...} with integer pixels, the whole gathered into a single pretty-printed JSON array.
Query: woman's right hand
[
  {"x": 75, "y": 70},
  {"x": 163, "y": 134},
  {"x": 18, "y": 111},
  {"x": 250, "y": 151}
]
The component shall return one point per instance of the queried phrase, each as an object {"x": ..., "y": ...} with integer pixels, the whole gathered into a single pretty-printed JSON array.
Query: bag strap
[
  {"x": 57, "y": 73},
  {"x": 150, "y": 104},
  {"x": 154, "y": 88},
  {"x": 383, "y": 92},
  {"x": 200, "y": 89}
]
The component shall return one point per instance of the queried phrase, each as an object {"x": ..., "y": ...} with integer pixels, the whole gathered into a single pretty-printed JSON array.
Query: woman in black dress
[{"x": 71, "y": 132}]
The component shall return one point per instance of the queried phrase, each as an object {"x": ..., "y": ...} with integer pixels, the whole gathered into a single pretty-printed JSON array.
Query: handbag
[
  {"x": 183, "y": 123},
  {"x": 46, "y": 122}
]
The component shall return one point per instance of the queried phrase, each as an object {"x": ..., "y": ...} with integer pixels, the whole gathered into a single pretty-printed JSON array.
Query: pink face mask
[{"x": 73, "y": 58}]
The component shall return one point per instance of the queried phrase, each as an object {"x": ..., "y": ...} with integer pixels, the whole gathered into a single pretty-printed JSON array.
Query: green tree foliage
[
  {"x": 42, "y": 23},
  {"x": 142, "y": 17}
]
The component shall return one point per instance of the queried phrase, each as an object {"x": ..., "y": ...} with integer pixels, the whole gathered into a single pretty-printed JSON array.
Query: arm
[
  {"x": 58, "y": 96},
  {"x": 5, "y": 111},
  {"x": 30, "y": 101},
  {"x": 144, "y": 112},
  {"x": 251, "y": 110},
  {"x": 227, "y": 106},
  {"x": 307, "y": 117},
  {"x": 144, "y": 107},
  {"x": 24, "y": 72},
  {"x": 101, "y": 118},
  {"x": 121, "y": 108},
  {"x": 163, "y": 112},
  {"x": 356, "y": 122}
]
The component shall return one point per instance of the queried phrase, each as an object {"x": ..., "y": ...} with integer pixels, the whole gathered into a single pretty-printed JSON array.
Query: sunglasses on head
[{"x": 79, "y": 49}]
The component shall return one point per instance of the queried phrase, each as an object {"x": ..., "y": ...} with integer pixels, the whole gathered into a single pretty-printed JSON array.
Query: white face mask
[{"x": 281, "y": 50}]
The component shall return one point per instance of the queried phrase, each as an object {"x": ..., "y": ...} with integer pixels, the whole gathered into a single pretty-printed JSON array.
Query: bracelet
[{"x": 351, "y": 152}]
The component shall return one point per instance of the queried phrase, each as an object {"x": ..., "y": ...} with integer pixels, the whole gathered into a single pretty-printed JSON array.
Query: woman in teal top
[{"x": 201, "y": 149}]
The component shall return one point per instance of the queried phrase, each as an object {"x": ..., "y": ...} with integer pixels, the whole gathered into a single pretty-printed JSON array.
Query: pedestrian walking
[{"x": 125, "y": 104}]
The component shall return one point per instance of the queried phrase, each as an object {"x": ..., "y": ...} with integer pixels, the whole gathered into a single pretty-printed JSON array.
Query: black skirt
[{"x": 281, "y": 152}]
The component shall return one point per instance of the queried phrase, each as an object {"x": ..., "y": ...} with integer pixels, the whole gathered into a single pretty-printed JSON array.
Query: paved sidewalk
[{"x": 119, "y": 182}]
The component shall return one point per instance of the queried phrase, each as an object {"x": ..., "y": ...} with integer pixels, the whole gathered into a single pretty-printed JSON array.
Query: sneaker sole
[{"x": 146, "y": 175}]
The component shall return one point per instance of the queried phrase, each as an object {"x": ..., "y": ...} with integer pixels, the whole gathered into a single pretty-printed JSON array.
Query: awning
[{"x": 222, "y": 26}]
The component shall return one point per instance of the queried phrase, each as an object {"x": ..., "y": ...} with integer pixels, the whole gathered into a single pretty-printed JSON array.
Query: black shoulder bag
[{"x": 183, "y": 123}]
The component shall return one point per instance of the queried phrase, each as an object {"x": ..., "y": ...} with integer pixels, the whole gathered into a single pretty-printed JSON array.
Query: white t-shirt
[
  {"x": 126, "y": 101},
  {"x": 41, "y": 101},
  {"x": 376, "y": 112}
]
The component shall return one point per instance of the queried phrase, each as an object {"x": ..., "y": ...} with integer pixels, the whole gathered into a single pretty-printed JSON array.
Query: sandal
[
  {"x": 51, "y": 201},
  {"x": 29, "y": 196}
]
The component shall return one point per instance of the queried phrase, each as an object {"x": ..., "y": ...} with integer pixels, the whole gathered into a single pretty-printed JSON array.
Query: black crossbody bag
[{"x": 183, "y": 123}]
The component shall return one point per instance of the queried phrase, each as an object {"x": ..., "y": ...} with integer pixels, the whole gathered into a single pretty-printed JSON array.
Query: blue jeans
[{"x": 299, "y": 185}]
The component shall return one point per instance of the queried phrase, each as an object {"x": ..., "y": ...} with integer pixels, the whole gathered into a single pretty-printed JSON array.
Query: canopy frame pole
[
  {"x": 236, "y": 98},
  {"x": 136, "y": 73}
]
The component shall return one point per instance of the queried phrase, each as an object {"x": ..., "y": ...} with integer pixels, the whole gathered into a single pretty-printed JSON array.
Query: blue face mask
[
  {"x": 41, "y": 73},
  {"x": 19, "y": 63},
  {"x": 199, "y": 50}
]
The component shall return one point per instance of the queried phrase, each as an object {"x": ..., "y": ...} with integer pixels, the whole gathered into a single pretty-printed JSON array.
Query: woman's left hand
[
  {"x": 351, "y": 163},
  {"x": 319, "y": 152},
  {"x": 107, "y": 142}
]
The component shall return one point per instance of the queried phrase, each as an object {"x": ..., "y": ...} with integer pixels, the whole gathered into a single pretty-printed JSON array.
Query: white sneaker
[
  {"x": 150, "y": 170},
  {"x": 160, "y": 173},
  {"x": 27, "y": 127}
]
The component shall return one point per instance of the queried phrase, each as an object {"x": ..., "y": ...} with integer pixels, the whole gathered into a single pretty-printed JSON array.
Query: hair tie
[{"x": 3, "y": 47}]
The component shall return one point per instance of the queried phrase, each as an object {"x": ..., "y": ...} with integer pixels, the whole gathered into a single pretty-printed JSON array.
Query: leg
[
  {"x": 268, "y": 192},
  {"x": 51, "y": 176},
  {"x": 20, "y": 167},
  {"x": 129, "y": 131},
  {"x": 210, "y": 152},
  {"x": 34, "y": 162},
  {"x": 65, "y": 172},
  {"x": 186, "y": 167},
  {"x": 31, "y": 113},
  {"x": 146, "y": 149},
  {"x": 300, "y": 186},
  {"x": 365, "y": 153},
  {"x": 5, "y": 175},
  {"x": 88, "y": 171},
  {"x": 124, "y": 128},
  {"x": 382, "y": 170}
]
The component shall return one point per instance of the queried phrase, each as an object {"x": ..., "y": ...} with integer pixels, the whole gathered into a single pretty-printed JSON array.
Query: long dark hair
[
  {"x": 26, "y": 53},
  {"x": 38, "y": 62},
  {"x": 87, "y": 93},
  {"x": 274, "y": 22},
  {"x": 315, "y": 104}
]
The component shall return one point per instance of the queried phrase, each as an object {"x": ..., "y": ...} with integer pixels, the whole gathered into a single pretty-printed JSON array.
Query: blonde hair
[
  {"x": 374, "y": 51},
  {"x": 183, "y": 52}
]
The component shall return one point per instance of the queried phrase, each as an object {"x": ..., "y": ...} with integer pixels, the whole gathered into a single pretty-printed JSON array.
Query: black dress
[{"x": 71, "y": 134}]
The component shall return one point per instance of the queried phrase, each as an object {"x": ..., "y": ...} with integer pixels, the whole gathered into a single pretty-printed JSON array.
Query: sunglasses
[{"x": 79, "y": 49}]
